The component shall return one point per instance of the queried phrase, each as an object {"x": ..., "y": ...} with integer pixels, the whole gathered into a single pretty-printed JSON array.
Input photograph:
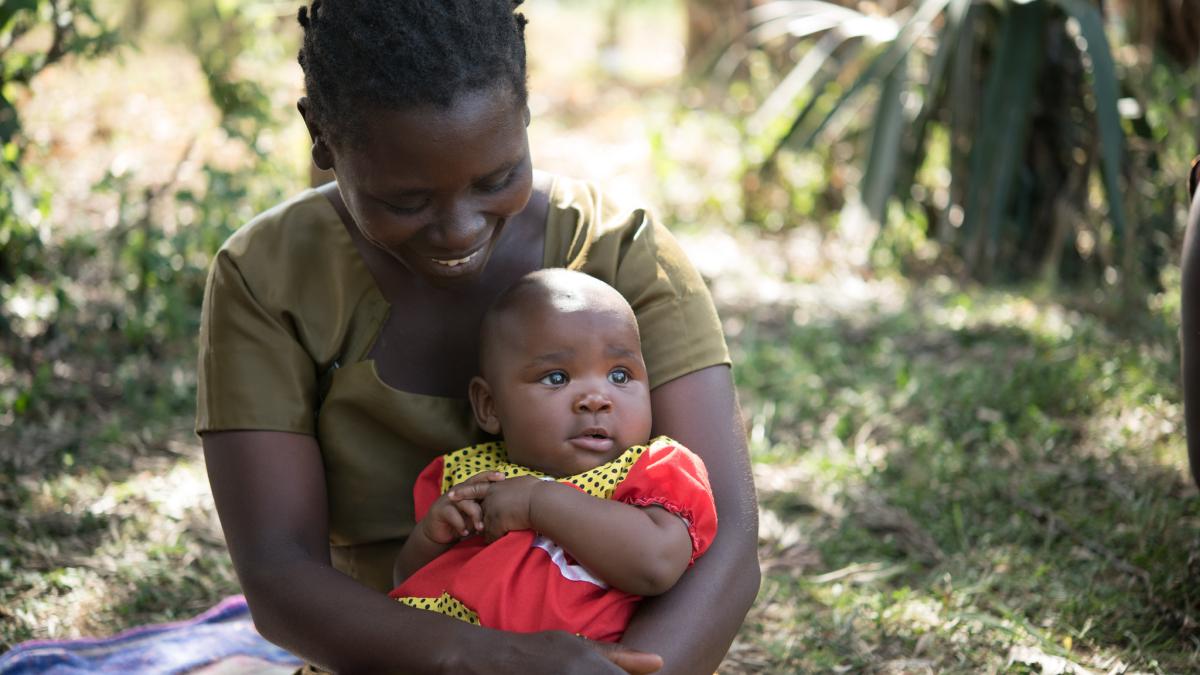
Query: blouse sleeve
[
  {"x": 428, "y": 487},
  {"x": 678, "y": 323},
  {"x": 253, "y": 371},
  {"x": 630, "y": 250},
  {"x": 670, "y": 476}
]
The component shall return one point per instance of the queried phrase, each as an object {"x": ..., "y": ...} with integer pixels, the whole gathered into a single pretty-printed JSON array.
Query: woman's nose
[
  {"x": 460, "y": 227},
  {"x": 593, "y": 402}
]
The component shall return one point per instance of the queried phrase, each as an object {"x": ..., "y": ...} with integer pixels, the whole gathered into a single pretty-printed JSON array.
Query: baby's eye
[
  {"x": 619, "y": 376},
  {"x": 555, "y": 379}
]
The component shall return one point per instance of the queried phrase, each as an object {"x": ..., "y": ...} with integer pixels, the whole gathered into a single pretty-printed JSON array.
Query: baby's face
[{"x": 569, "y": 389}]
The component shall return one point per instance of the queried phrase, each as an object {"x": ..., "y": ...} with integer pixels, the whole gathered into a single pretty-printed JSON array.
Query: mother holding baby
[{"x": 340, "y": 332}]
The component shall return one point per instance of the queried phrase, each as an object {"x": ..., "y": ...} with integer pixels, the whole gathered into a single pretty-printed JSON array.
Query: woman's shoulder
[
  {"x": 296, "y": 250},
  {"x": 625, "y": 245},
  {"x": 299, "y": 226},
  {"x": 583, "y": 204},
  {"x": 589, "y": 229}
]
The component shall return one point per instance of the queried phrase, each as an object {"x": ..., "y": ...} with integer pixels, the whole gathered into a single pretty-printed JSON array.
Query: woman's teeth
[{"x": 453, "y": 263}]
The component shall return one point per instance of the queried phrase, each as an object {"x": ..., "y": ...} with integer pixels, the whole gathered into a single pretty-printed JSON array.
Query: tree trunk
[{"x": 712, "y": 25}]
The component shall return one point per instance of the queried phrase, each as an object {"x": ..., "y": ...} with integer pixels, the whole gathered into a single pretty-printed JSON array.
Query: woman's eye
[
  {"x": 555, "y": 379},
  {"x": 498, "y": 185},
  {"x": 408, "y": 208},
  {"x": 619, "y": 376}
]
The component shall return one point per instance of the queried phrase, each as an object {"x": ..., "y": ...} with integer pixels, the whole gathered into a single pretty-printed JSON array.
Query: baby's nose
[{"x": 593, "y": 402}]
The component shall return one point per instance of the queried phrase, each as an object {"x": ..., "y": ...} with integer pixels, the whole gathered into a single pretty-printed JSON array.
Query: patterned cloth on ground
[{"x": 221, "y": 641}]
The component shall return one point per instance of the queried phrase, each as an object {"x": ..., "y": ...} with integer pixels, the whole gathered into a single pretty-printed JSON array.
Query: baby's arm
[
  {"x": 452, "y": 517},
  {"x": 639, "y": 550}
]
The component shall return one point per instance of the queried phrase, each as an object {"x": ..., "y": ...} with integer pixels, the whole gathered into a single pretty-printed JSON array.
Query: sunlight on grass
[
  {"x": 98, "y": 549},
  {"x": 974, "y": 480}
]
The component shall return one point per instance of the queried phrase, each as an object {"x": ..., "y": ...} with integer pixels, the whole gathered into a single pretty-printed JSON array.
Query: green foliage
[
  {"x": 34, "y": 35},
  {"x": 218, "y": 32},
  {"x": 1028, "y": 94},
  {"x": 133, "y": 288}
]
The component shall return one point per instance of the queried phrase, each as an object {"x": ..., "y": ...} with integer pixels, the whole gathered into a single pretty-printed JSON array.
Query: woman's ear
[
  {"x": 321, "y": 154},
  {"x": 484, "y": 405}
]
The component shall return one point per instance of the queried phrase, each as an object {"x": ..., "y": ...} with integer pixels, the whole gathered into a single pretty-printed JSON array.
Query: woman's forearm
[
  {"x": 694, "y": 623},
  {"x": 269, "y": 491},
  {"x": 334, "y": 622}
]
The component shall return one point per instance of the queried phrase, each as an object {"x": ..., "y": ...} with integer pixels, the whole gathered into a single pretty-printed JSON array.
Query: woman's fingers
[{"x": 630, "y": 660}]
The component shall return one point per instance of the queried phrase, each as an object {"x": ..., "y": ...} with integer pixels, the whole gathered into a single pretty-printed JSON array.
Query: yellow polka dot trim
[
  {"x": 598, "y": 482},
  {"x": 443, "y": 604}
]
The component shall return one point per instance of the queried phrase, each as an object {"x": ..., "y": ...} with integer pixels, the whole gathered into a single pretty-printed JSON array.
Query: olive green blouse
[{"x": 290, "y": 314}]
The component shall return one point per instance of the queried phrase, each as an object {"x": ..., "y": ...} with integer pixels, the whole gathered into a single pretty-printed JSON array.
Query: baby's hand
[
  {"x": 506, "y": 506},
  {"x": 457, "y": 514}
]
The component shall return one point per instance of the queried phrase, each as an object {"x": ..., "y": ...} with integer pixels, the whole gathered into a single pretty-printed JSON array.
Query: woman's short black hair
[{"x": 397, "y": 54}]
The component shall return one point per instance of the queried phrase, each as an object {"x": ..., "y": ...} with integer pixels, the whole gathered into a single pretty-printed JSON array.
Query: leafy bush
[{"x": 996, "y": 126}]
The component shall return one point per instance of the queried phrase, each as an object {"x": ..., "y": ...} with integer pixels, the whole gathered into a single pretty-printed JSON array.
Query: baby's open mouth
[{"x": 593, "y": 440}]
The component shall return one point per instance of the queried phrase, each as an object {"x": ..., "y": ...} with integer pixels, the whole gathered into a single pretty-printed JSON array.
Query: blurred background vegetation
[{"x": 944, "y": 236}]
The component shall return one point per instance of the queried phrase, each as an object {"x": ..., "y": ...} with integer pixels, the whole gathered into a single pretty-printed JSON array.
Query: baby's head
[{"x": 562, "y": 376}]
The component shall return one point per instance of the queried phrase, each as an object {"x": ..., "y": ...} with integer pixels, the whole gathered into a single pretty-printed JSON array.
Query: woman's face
[{"x": 434, "y": 187}]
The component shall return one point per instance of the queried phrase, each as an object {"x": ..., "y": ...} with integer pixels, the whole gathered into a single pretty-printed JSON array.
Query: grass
[{"x": 966, "y": 480}]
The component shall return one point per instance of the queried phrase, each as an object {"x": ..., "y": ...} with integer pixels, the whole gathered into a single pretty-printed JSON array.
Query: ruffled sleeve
[{"x": 670, "y": 476}]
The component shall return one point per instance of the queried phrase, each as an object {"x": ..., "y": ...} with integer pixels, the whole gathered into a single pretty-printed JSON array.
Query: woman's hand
[
  {"x": 631, "y": 661},
  {"x": 552, "y": 653}
]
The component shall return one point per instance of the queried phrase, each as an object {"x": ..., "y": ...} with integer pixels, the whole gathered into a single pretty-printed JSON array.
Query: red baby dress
[{"x": 524, "y": 582}]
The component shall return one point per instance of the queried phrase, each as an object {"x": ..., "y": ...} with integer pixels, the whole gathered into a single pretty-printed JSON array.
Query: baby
[{"x": 580, "y": 514}]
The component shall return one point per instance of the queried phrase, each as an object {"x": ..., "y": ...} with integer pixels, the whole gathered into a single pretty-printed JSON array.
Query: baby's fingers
[
  {"x": 471, "y": 512},
  {"x": 468, "y": 490},
  {"x": 484, "y": 477},
  {"x": 450, "y": 518}
]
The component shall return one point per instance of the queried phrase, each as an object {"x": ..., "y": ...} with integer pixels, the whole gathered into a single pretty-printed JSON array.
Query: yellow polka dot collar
[{"x": 598, "y": 482}]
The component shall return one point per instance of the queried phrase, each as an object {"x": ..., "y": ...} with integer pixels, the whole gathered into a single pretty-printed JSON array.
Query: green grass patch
[{"x": 968, "y": 482}]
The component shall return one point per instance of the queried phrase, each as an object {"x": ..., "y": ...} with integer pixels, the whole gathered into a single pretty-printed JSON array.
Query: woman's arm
[
  {"x": 638, "y": 550},
  {"x": 693, "y": 624},
  {"x": 1190, "y": 334},
  {"x": 269, "y": 489}
]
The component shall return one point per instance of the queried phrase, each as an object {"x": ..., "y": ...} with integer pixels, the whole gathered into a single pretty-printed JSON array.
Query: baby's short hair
[{"x": 557, "y": 289}]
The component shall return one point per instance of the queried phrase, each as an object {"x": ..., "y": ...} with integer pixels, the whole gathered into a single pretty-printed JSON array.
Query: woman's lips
[{"x": 455, "y": 262}]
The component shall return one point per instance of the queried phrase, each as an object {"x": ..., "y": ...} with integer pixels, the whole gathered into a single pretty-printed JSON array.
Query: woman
[{"x": 340, "y": 332}]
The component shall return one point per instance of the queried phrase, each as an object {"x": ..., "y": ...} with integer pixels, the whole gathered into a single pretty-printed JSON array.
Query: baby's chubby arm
[
  {"x": 452, "y": 517},
  {"x": 639, "y": 550}
]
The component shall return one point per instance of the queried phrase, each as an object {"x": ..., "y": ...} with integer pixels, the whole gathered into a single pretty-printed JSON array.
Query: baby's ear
[{"x": 484, "y": 405}]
